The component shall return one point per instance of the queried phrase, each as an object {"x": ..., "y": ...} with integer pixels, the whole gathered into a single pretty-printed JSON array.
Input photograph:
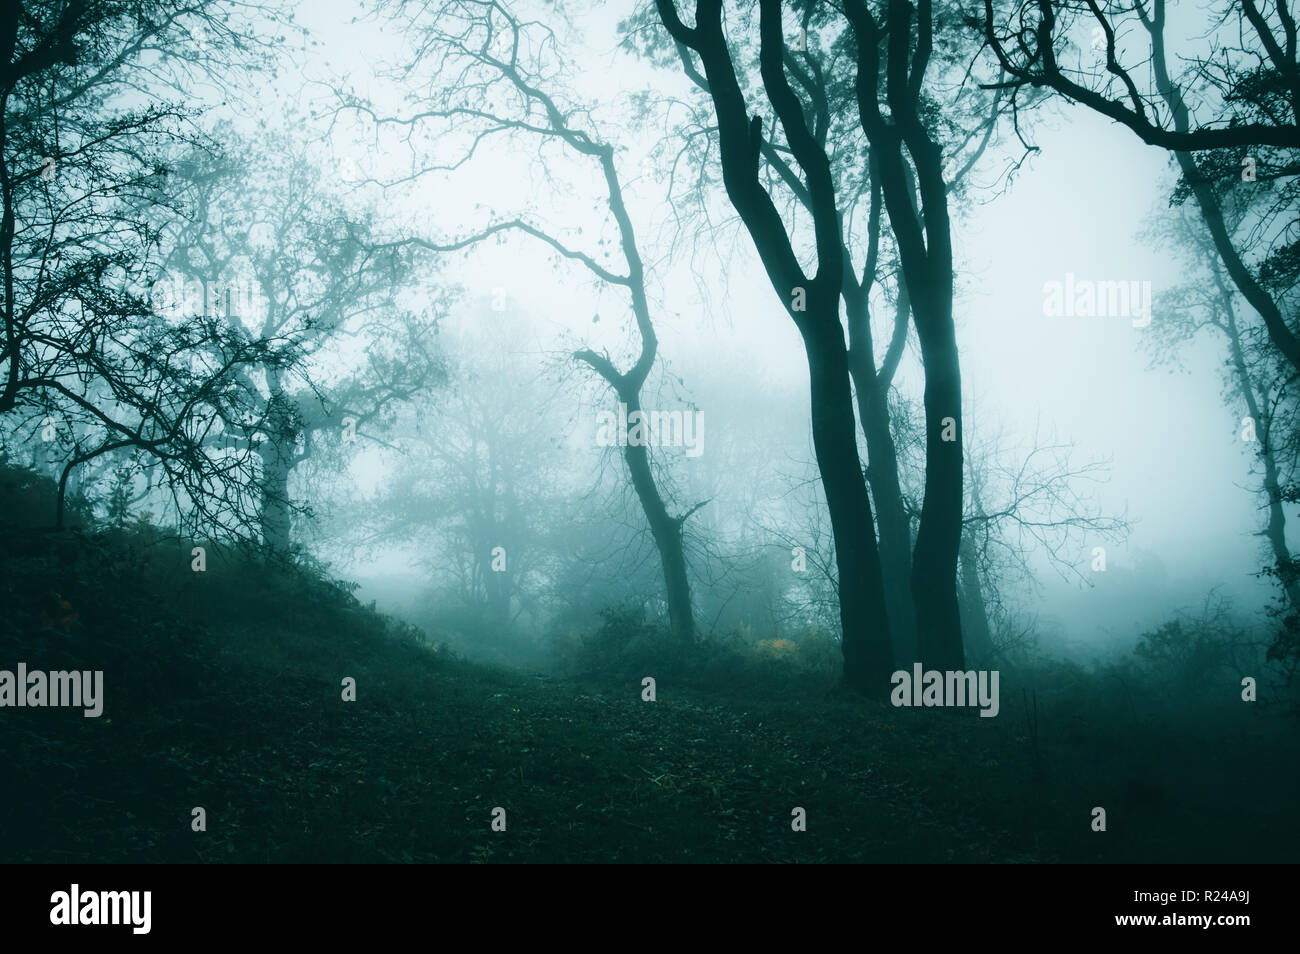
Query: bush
[
  {"x": 28, "y": 499},
  {"x": 1200, "y": 655},
  {"x": 626, "y": 645}
]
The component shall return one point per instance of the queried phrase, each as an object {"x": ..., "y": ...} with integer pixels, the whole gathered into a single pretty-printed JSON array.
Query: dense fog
[{"x": 476, "y": 360}]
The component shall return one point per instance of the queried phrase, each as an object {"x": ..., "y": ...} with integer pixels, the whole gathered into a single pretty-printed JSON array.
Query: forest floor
[{"x": 246, "y": 719}]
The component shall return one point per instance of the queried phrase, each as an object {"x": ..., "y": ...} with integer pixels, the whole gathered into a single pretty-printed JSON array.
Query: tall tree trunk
[
  {"x": 974, "y": 611},
  {"x": 864, "y": 615},
  {"x": 664, "y": 527},
  {"x": 812, "y": 303},
  {"x": 934, "y": 560},
  {"x": 924, "y": 239},
  {"x": 882, "y": 473},
  {"x": 1275, "y": 529},
  {"x": 666, "y": 530}
]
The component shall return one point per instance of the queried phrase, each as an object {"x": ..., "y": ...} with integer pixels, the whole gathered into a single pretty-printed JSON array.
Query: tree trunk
[
  {"x": 864, "y": 617},
  {"x": 497, "y": 586},
  {"x": 882, "y": 473},
  {"x": 974, "y": 612},
  {"x": 61, "y": 498},
  {"x": 924, "y": 239},
  {"x": 282, "y": 425},
  {"x": 666, "y": 530},
  {"x": 1275, "y": 529},
  {"x": 274, "y": 491},
  {"x": 934, "y": 561},
  {"x": 868, "y": 653}
]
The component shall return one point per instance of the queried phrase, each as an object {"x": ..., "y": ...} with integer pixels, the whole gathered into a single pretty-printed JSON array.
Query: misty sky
[{"x": 1178, "y": 467}]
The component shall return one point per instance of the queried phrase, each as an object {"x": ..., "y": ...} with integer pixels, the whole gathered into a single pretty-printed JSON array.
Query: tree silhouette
[{"x": 485, "y": 54}]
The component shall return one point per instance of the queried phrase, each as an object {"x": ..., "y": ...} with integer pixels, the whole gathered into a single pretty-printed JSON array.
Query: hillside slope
[{"x": 224, "y": 691}]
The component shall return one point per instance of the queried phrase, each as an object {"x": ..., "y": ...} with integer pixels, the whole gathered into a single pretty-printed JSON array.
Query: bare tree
[
  {"x": 282, "y": 258},
  {"x": 76, "y": 166},
  {"x": 478, "y": 480},
  {"x": 1249, "y": 87},
  {"x": 85, "y": 191},
  {"x": 477, "y": 54},
  {"x": 1026, "y": 506},
  {"x": 821, "y": 61},
  {"x": 1264, "y": 385},
  {"x": 812, "y": 301}
]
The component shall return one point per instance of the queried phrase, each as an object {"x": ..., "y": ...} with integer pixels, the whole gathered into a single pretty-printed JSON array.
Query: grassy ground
[{"x": 230, "y": 699}]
